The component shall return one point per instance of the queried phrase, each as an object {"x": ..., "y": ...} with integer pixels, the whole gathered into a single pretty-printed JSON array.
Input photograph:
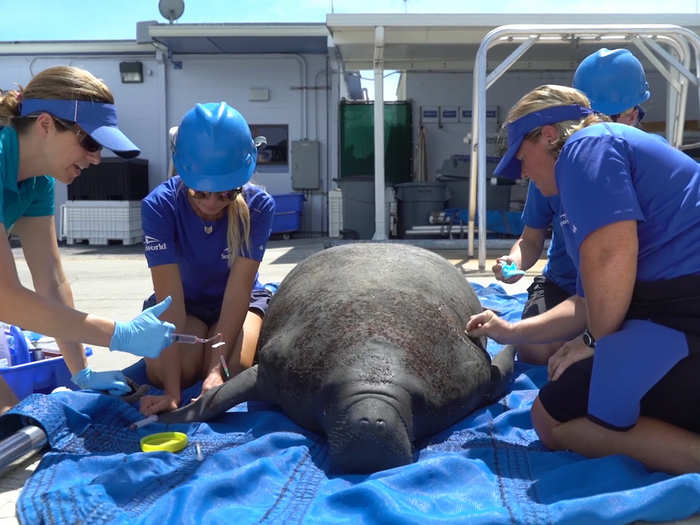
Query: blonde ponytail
[{"x": 238, "y": 219}]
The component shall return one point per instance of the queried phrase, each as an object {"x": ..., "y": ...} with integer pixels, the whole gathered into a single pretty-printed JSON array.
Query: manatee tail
[
  {"x": 501, "y": 372},
  {"x": 242, "y": 387}
]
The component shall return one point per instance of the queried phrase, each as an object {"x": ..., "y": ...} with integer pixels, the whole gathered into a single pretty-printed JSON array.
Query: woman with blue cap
[
  {"x": 615, "y": 83},
  {"x": 205, "y": 235},
  {"x": 56, "y": 127},
  {"x": 630, "y": 214}
]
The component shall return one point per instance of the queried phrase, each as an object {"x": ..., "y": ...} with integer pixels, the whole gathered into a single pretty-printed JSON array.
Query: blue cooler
[{"x": 27, "y": 376}]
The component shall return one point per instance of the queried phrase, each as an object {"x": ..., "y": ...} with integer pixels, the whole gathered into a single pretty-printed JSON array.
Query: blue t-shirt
[
  {"x": 539, "y": 213},
  {"x": 175, "y": 234},
  {"x": 32, "y": 197},
  {"x": 608, "y": 173}
]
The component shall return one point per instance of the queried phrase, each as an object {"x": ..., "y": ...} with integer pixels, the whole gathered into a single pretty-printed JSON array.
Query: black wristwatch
[{"x": 588, "y": 338}]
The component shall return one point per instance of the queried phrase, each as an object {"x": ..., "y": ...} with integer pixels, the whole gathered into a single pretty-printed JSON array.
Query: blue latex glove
[
  {"x": 510, "y": 270},
  {"x": 144, "y": 335},
  {"x": 113, "y": 382}
]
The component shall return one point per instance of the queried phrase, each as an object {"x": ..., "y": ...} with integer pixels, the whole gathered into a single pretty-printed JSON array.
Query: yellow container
[{"x": 164, "y": 441}]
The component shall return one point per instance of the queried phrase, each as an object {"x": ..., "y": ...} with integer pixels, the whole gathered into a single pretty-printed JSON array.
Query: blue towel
[{"x": 258, "y": 466}]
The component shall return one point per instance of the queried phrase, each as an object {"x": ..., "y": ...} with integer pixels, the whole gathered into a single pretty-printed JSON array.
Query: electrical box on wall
[{"x": 306, "y": 165}]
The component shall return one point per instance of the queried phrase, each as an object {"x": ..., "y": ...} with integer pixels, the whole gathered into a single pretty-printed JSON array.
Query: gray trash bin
[
  {"x": 416, "y": 201},
  {"x": 358, "y": 206},
  {"x": 455, "y": 174}
]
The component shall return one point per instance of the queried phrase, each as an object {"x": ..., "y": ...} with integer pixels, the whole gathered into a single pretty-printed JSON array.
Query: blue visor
[
  {"x": 509, "y": 167},
  {"x": 97, "y": 119}
]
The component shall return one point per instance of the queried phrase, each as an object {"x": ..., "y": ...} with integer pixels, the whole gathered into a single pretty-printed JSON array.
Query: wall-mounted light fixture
[{"x": 131, "y": 72}]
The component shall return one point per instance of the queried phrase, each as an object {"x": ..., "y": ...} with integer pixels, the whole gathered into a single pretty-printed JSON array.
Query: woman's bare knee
[{"x": 251, "y": 334}]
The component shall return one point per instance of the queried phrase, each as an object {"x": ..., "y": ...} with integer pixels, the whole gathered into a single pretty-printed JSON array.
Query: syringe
[{"x": 192, "y": 339}]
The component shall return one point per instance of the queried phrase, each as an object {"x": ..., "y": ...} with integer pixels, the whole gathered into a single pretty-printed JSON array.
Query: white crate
[
  {"x": 98, "y": 222},
  {"x": 335, "y": 212}
]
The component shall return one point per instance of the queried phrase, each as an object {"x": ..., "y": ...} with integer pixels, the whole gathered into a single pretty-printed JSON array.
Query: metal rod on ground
[{"x": 20, "y": 445}]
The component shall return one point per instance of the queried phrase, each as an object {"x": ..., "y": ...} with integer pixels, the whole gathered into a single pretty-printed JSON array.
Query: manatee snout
[{"x": 372, "y": 436}]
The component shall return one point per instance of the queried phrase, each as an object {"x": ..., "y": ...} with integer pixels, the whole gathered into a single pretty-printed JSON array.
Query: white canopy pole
[{"x": 380, "y": 226}]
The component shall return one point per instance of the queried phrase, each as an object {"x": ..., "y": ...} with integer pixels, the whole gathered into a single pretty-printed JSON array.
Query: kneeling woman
[{"x": 205, "y": 235}]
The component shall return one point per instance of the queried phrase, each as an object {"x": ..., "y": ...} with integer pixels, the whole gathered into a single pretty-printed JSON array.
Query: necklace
[{"x": 207, "y": 225}]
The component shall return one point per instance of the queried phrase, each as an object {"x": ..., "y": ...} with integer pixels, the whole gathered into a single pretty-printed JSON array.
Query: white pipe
[
  {"x": 478, "y": 137},
  {"x": 304, "y": 93},
  {"x": 162, "y": 59}
]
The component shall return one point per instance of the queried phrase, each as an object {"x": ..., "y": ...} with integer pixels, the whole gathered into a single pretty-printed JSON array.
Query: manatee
[{"x": 366, "y": 344}]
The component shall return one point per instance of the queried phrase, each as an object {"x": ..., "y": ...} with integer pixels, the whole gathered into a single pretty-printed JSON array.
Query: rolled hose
[{"x": 23, "y": 443}]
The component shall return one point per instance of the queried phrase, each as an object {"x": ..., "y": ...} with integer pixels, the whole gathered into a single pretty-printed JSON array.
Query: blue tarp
[{"x": 259, "y": 467}]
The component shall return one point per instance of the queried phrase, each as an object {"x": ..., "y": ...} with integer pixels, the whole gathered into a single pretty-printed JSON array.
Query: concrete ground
[{"x": 113, "y": 281}]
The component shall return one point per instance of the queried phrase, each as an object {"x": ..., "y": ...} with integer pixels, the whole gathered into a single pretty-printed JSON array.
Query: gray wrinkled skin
[{"x": 366, "y": 344}]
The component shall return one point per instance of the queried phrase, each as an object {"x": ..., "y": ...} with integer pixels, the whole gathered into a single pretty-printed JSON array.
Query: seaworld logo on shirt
[
  {"x": 564, "y": 221},
  {"x": 153, "y": 245},
  {"x": 226, "y": 254}
]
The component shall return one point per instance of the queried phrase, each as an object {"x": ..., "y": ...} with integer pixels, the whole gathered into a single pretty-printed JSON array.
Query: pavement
[{"x": 112, "y": 281}]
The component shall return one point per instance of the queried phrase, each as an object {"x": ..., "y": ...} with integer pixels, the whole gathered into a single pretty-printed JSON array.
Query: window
[{"x": 276, "y": 150}]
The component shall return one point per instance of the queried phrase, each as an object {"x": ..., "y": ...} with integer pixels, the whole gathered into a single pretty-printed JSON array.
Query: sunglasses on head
[
  {"x": 86, "y": 141},
  {"x": 225, "y": 196}
]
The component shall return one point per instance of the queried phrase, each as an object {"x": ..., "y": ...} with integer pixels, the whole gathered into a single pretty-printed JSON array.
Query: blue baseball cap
[
  {"x": 509, "y": 166},
  {"x": 97, "y": 119}
]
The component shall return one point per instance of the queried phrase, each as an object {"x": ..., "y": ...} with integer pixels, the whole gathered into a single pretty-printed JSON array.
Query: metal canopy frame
[{"x": 667, "y": 47}]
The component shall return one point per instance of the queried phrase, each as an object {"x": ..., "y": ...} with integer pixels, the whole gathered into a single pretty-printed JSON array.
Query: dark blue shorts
[
  {"x": 675, "y": 398},
  {"x": 209, "y": 314},
  {"x": 543, "y": 295}
]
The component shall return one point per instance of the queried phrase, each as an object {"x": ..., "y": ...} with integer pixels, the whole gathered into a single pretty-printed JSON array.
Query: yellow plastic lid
[{"x": 164, "y": 441}]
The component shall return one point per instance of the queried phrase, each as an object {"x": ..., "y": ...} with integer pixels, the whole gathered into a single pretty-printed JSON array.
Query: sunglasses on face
[
  {"x": 224, "y": 196},
  {"x": 86, "y": 141},
  {"x": 626, "y": 114}
]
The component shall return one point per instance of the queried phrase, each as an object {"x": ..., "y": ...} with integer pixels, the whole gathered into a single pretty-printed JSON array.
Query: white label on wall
[
  {"x": 449, "y": 114},
  {"x": 429, "y": 114}
]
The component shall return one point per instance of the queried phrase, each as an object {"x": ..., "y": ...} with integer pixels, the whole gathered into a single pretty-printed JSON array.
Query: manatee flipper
[
  {"x": 502, "y": 366},
  {"x": 216, "y": 401}
]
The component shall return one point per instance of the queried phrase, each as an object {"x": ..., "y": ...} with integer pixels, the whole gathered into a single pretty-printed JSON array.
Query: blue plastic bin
[
  {"x": 38, "y": 376},
  {"x": 287, "y": 218}
]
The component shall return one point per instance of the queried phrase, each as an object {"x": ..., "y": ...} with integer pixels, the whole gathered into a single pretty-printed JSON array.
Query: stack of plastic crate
[
  {"x": 99, "y": 222},
  {"x": 335, "y": 212},
  {"x": 104, "y": 203}
]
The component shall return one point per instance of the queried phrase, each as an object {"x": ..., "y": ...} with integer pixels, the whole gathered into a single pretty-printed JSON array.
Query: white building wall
[
  {"x": 138, "y": 105},
  {"x": 294, "y": 101},
  {"x": 147, "y": 110},
  {"x": 298, "y": 98}
]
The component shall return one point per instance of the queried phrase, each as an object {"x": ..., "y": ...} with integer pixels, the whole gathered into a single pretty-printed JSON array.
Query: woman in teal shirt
[{"x": 55, "y": 128}]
